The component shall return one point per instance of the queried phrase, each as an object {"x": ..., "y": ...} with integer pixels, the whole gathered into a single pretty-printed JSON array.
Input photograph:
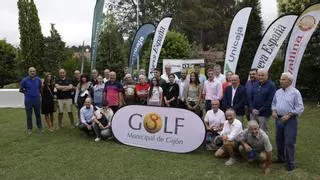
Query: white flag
[
  {"x": 235, "y": 39},
  {"x": 272, "y": 41},
  {"x": 158, "y": 40},
  {"x": 300, "y": 36}
]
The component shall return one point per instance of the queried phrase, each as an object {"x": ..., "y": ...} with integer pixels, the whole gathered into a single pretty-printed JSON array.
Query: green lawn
[{"x": 68, "y": 154}]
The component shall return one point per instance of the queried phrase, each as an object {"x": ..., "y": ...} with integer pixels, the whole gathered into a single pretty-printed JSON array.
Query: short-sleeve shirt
[
  {"x": 215, "y": 119},
  {"x": 31, "y": 87},
  {"x": 260, "y": 143},
  {"x": 111, "y": 93},
  {"x": 64, "y": 94}
]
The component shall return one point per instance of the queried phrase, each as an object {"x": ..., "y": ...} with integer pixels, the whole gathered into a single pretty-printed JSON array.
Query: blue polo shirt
[
  {"x": 31, "y": 87},
  {"x": 261, "y": 97}
]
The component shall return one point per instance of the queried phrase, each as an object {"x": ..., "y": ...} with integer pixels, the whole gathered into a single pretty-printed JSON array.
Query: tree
[
  {"x": 7, "y": 63},
  {"x": 110, "y": 52},
  {"x": 31, "y": 38},
  {"x": 54, "y": 51},
  {"x": 251, "y": 40},
  {"x": 175, "y": 46},
  {"x": 307, "y": 81}
]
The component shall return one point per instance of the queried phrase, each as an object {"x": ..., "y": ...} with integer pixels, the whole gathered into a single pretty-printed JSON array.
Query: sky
[{"x": 73, "y": 19}]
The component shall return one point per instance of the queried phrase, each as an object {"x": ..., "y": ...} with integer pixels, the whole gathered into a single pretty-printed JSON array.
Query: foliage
[
  {"x": 31, "y": 38},
  {"x": 110, "y": 52},
  {"x": 7, "y": 63},
  {"x": 73, "y": 63},
  {"x": 55, "y": 52},
  {"x": 251, "y": 40},
  {"x": 175, "y": 46},
  {"x": 307, "y": 80}
]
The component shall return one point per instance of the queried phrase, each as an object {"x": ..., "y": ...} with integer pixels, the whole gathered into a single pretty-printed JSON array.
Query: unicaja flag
[
  {"x": 300, "y": 36},
  {"x": 235, "y": 39},
  {"x": 272, "y": 41},
  {"x": 96, "y": 29},
  {"x": 158, "y": 40},
  {"x": 140, "y": 38}
]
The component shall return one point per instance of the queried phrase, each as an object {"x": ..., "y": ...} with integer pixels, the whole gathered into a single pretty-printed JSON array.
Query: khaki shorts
[{"x": 62, "y": 102}]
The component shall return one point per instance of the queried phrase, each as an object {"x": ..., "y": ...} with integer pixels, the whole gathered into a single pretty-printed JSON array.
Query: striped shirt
[{"x": 288, "y": 100}]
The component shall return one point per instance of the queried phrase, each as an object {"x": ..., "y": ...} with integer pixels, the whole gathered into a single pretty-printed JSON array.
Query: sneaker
[
  {"x": 97, "y": 139},
  {"x": 290, "y": 168},
  {"x": 29, "y": 132},
  {"x": 230, "y": 162}
]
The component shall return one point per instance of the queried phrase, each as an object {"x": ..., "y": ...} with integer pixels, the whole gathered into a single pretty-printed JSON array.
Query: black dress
[
  {"x": 47, "y": 105},
  {"x": 172, "y": 90}
]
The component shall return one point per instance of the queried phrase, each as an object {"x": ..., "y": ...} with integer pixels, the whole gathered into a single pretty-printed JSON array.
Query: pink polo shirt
[{"x": 212, "y": 90}]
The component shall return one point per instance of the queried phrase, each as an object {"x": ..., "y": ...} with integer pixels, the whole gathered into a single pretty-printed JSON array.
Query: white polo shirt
[
  {"x": 232, "y": 130},
  {"x": 215, "y": 119}
]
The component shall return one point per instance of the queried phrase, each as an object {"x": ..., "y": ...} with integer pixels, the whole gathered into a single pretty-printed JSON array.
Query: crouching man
[
  {"x": 255, "y": 145},
  {"x": 231, "y": 129},
  {"x": 86, "y": 116},
  {"x": 102, "y": 122}
]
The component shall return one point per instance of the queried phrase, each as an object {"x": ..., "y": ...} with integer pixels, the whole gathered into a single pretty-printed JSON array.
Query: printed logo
[
  {"x": 152, "y": 123},
  {"x": 306, "y": 23}
]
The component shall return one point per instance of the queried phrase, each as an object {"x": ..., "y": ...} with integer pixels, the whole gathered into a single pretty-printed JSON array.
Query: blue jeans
[
  {"x": 286, "y": 134},
  {"x": 33, "y": 103}
]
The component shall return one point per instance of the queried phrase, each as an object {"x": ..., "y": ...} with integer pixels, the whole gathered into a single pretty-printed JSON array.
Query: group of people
[{"x": 219, "y": 99}]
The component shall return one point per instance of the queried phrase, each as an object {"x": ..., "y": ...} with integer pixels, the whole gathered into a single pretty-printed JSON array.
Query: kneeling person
[
  {"x": 255, "y": 142},
  {"x": 86, "y": 116},
  {"x": 231, "y": 129},
  {"x": 102, "y": 122}
]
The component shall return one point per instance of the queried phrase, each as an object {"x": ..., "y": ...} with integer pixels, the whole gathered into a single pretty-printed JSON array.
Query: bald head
[
  {"x": 62, "y": 73},
  {"x": 32, "y": 72},
  {"x": 113, "y": 76},
  {"x": 235, "y": 80},
  {"x": 263, "y": 75}
]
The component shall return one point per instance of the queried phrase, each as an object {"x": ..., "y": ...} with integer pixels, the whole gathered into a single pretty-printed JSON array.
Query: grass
[{"x": 68, "y": 154}]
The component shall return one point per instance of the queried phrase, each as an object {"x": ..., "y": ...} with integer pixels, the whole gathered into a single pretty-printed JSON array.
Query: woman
[
  {"x": 171, "y": 92},
  {"x": 47, "y": 103},
  {"x": 129, "y": 96},
  {"x": 98, "y": 92},
  {"x": 142, "y": 90},
  {"x": 193, "y": 94},
  {"x": 155, "y": 93},
  {"x": 83, "y": 91}
]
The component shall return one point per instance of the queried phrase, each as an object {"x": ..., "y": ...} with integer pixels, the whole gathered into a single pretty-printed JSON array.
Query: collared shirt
[
  {"x": 112, "y": 91},
  {"x": 98, "y": 93},
  {"x": 31, "y": 87},
  {"x": 212, "y": 90},
  {"x": 234, "y": 90},
  {"x": 182, "y": 84},
  {"x": 221, "y": 78},
  {"x": 232, "y": 130},
  {"x": 86, "y": 114},
  {"x": 64, "y": 94},
  {"x": 260, "y": 142},
  {"x": 288, "y": 100},
  {"x": 215, "y": 119}
]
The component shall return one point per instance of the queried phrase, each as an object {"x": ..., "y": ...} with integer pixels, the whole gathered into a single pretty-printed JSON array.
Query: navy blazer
[{"x": 239, "y": 99}]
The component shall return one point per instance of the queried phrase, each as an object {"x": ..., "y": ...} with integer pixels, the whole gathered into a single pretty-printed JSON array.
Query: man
[
  {"x": 197, "y": 68},
  {"x": 75, "y": 82},
  {"x": 165, "y": 76},
  {"x": 255, "y": 142},
  {"x": 235, "y": 97},
  {"x": 253, "y": 78},
  {"x": 157, "y": 74},
  {"x": 86, "y": 116},
  {"x": 129, "y": 96},
  {"x": 231, "y": 129},
  {"x": 113, "y": 92},
  {"x": 287, "y": 106},
  {"x": 212, "y": 90},
  {"x": 261, "y": 98},
  {"x": 102, "y": 122},
  {"x": 30, "y": 86},
  {"x": 106, "y": 75},
  {"x": 64, "y": 95},
  {"x": 214, "y": 121},
  {"x": 183, "y": 82},
  {"x": 217, "y": 74},
  {"x": 95, "y": 75}
]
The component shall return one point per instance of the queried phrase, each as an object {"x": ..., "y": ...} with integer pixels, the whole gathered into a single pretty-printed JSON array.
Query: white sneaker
[
  {"x": 97, "y": 139},
  {"x": 230, "y": 162}
]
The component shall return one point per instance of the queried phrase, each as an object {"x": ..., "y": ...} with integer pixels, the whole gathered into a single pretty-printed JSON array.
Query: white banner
[
  {"x": 160, "y": 128},
  {"x": 300, "y": 36},
  {"x": 272, "y": 41},
  {"x": 179, "y": 64},
  {"x": 11, "y": 98},
  {"x": 157, "y": 43},
  {"x": 235, "y": 39}
]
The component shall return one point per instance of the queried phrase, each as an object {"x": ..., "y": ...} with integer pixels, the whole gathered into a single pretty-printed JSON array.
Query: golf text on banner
[
  {"x": 300, "y": 36},
  {"x": 96, "y": 29},
  {"x": 140, "y": 38},
  {"x": 235, "y": 39},
  {"x": 160, "y": 128},
  {"x": 158, "y": 40},
  {"x": 272, "y": 41}
]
